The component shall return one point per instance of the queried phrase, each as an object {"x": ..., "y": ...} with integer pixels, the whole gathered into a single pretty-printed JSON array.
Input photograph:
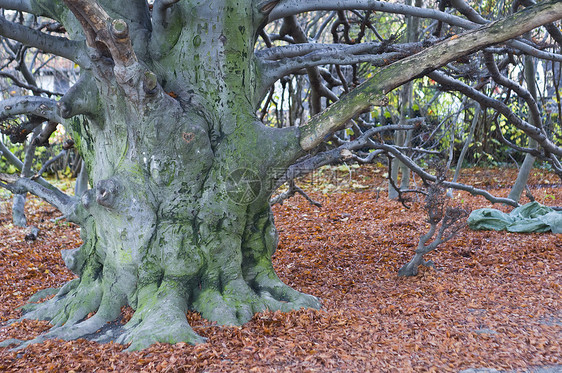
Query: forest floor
[{"x": 494, "y": 301}]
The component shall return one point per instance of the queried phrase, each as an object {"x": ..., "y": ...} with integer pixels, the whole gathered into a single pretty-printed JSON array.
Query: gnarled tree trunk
[{"x": 179, "y": 216}]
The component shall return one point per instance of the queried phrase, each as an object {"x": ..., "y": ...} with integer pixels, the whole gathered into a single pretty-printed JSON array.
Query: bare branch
[
  {"x": 69, "y": 49},
  {"x": 468, "y": 11},
  {"x": 293, "y": 189},
  {"x": 292, "y": 7},
  {"x": 13, "y": 160},
  {"x": 43, "y": 138},
  {"x": 317, "y": 89},
  {"x": 514, "y": 86},
  {"x": 10, "y": 157},
  {"x": 281, "y": 61},
  {"x": 23, "y": 85},
  {"x": 326, "y": 57},
  {"x": 427, "y": 177},
  {"x": 551, "y": 28},
  {"x": 332, "y": 156},
  {"x": 532, "y": 51},
  {"x": 39, "y": 106},
  {"x": 297, "y": 50},
  {"x": 49, "y": 163},
  {"x": 21, "y": 5},
  {"x": 536, "y": 133},
  {"x": 388, "y": 78},
  {"x": 65, "y": 203}
]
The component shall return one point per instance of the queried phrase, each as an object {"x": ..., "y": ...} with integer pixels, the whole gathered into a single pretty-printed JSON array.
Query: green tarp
[{"x": 532, "y": 217}]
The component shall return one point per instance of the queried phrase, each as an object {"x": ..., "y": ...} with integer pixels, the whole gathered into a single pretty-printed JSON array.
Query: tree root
[
  {"x": 69, "y": 309},
  {"x": 161, "y": 317},
  {"x": 267, "y": 282},
  {"x": 173, "y": 277},
  {"x": 161, "y": 310}
]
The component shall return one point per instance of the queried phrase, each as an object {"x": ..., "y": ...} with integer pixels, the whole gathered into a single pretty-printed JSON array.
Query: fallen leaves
[{"x": 496, "y": 300}]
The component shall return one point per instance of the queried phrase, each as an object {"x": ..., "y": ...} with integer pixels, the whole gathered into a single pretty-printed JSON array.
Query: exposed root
[
  {"x": 260, "y": 242},
  {"x": 235, "y": 304},
  {"x": 238, "y": 302},
  {"x": 228, "y": 279},
  {"x": 73, "y": 303},
  {"x": 267, "y": 282},
  {"x": 161, "y": 317}
]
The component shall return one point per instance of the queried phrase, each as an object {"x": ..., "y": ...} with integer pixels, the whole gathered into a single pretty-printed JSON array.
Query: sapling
[{"x": 445, "y": 222}]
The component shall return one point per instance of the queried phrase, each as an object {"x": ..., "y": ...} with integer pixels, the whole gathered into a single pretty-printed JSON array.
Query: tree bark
[{"x": 178, "y": 217}]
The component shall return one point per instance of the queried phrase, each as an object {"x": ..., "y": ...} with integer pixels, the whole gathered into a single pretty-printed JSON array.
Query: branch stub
[{"x": 119, "y": 29}]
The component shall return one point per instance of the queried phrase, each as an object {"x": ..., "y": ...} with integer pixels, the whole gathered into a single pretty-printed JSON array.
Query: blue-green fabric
[{"x": 532, "y": 217}]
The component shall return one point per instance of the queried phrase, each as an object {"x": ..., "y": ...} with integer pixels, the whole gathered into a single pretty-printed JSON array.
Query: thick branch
[
  {"x": 111, "y": 39},
  {"x": 35, "y": 105},
  {"x": 10, "y": 157},
  {"x": 292, "y": 7},
  {"x": 65, "y": 203},
  {"x": 293, "y": 28},
  {"x": 72, "y": 50},
  {"x": 106, "y": 35},
  {"x": 514, "y": 86},
  {"x": 18, "y": 164},
  {"x": 280, "y": 61},
  {"x": 21, "y": 5},
  {"x": 385, "y": 80},
  {"x": 551, "y": 28},
  {"x": 532, "y": 51},
  {"x": 165, "y": 27},
  {"x": 43, "y": 138},
  {"x": 297, "y": 50},
  {"x": 320, "y": 58},
  {"x": 82, "y": 98},
  {"x": 468, "y": 11}
]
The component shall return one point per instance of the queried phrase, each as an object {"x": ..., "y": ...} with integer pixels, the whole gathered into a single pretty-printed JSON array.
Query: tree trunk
[
  {"x": 406, "y": 97},
  {"x": 460, "y": 161},
  {"x": 18, "y": 200},
  {"x": 178, "y": 217},
  {"x": 525, "y": 169}
]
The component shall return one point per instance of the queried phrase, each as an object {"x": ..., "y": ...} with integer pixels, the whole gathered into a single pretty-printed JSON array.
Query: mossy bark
[{"x": 178, "y": 217}]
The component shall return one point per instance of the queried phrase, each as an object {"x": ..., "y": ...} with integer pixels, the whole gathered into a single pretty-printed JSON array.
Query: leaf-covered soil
[{"x": 494, "y": 301}]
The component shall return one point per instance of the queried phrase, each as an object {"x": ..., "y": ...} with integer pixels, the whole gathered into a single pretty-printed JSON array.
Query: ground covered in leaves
[{"x": 494, "y": 301}]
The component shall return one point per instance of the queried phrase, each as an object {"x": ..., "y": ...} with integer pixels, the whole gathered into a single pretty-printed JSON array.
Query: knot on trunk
[{"x": 106, "y": 192}]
